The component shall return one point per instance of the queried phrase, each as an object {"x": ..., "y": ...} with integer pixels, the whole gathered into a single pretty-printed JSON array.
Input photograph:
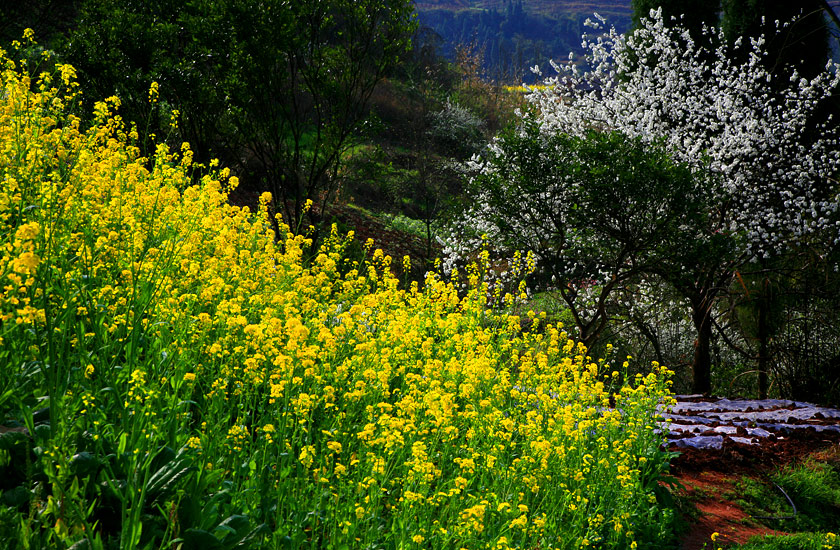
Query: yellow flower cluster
[{"x": 417, "y": 413}]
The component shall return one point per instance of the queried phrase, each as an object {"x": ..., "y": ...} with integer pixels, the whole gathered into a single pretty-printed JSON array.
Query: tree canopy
[{"x": 276, "y": 88}]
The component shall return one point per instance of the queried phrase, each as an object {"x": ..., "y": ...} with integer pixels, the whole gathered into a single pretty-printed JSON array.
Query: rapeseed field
[{"x": 176, "y": 373}]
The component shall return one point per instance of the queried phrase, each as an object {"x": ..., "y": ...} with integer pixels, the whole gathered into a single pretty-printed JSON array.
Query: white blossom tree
[
  {"x": 774, "y": 160},
  {"x": 770, "y": 152},
  {"x": 597, "y": 212}
]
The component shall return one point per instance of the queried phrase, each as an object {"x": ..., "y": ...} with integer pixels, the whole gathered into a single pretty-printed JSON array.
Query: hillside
[
  {"x": 513, "y": 35},
  {"x": 553, "y": 8}
]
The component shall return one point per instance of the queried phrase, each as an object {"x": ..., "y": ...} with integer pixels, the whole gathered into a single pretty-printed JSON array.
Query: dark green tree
[
  {"x": 693, "y": 14},
  {"x": 802, "y": 43},
  {"x": 48, "y": 18},
  {"x": 297, "y": 77},
  {"x": 599, "y": 212},
  {"x": 277, "y": 89},
  {"x": 120, "y": 48}
]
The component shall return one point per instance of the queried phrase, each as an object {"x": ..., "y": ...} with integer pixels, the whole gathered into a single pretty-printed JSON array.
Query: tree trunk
[
  {"x": 763, "y": 337},
  {"x": 702, "y": 366}
]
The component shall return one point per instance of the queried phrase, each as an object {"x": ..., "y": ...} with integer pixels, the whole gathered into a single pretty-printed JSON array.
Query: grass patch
[
  {"x": 814, "y": 488},
  {"x": 798, "y": 541},
  {"x": 410, "y": 226},
  {"x": 551, "y": 303},
  {"x": 399, "y": 222}
]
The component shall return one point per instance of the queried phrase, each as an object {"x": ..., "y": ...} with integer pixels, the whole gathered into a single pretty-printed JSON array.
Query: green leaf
[
  {"x": 11, "y": 438},
  {"x": 173, "y": 469},
  {"x": 199, "y": 539},
  {"x": 84, "y": 464},
  {"x": 16, "y": 497},
  {"x": 236, "y": 524}
]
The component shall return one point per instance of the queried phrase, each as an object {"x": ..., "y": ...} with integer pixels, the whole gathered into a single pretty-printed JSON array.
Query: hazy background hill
[
  {"x": 546, "y": 7},
  {"x": 512, "y": 35}
]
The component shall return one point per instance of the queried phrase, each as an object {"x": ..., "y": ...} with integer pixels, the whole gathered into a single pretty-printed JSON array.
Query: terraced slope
[
  {"x": 546, "y": 7},
  {"x": 514, "y": 35}
]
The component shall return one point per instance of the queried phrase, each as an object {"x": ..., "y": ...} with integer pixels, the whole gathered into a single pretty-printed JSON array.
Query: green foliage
[
  {"x": 412, "y": 170},
  {"x": 278, "y": 89},
  {"x": 408, "y": 225},
  {"x": 798, "y": 541},
  {"x": 550, "y": 303},
  {"x": 614, "y": 195},
  {"x": 281, "y": 88},
  {"x": 120, "y": 48},
  {"x": 598, "y": 211},
  {"x": 784, "y": 310},
  {"x": 814, "y": 488},
  {"x": 48, "y": 18}
]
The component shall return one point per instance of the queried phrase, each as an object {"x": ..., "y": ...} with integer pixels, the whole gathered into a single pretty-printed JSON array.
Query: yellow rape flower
[{"x": 154, "y": 92}]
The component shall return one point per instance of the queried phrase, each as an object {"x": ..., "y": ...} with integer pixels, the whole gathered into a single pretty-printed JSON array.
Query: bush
[
  {"x": 456, "y": 130},
  {"x": 799, "y": 541}
]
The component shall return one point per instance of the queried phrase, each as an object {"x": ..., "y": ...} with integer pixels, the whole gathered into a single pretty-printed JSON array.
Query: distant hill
[
  {"x": 555, "y": 8},
  {"x": 514, "y": 35}
]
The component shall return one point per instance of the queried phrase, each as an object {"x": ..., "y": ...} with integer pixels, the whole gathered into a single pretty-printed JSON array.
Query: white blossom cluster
[{"x": 774, "y": 163}]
